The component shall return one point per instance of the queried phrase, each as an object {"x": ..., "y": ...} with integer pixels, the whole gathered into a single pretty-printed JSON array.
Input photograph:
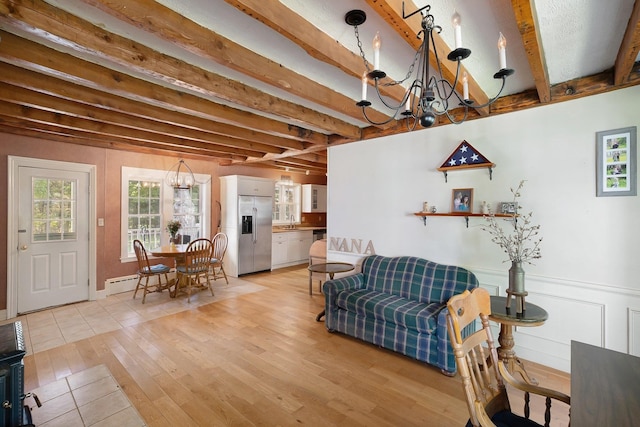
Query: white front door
[{"x": 53, "y": 237}]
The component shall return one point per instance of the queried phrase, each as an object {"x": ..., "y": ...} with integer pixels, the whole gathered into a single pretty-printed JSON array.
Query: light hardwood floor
[{"x": 262, "y": 359}]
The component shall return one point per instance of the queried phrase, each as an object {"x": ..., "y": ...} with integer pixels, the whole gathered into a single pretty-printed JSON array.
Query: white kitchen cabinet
[
  {"x": 290, "y": 248},
  {"x": 314, "y": 198},
  {"x": 279, "y": 249},
  {"x": 299, "y": 244}
]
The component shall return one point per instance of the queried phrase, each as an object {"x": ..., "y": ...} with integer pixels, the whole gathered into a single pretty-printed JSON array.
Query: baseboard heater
[
  {"x": 121, "y": 284},
  {"x": 117, "y": 285}
]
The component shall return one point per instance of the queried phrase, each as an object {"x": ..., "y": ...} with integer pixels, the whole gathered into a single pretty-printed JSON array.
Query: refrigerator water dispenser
[{"x": 247, "y": 224}]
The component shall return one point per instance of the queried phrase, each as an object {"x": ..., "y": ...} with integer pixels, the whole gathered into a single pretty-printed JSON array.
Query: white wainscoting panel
[
  {"x": 594, "y": 314},
  {"x": 563, "y": 324},
  {"x": 634, "y": 331}
]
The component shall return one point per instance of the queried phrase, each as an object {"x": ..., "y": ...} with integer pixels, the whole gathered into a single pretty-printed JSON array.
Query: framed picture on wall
[
  {"x": 462, "y": 200},
  {"x": 508, "y": 207},
  {"x": 616, "y": 162}
]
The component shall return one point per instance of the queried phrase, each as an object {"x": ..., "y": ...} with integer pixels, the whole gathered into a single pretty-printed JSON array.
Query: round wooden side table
[
  {"x": 330, "y": 268},
  {"x": 533, "y": 315}
]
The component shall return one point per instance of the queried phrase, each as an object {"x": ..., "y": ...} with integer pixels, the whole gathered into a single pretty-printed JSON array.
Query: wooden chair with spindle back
[
  {"x": 147, "y": 271},
  {"x": 220, "y": 242},
  {"x": 317, "y": 255},
  {"x": 481, "y": 371},
  {"x": 194, "y": 273}
]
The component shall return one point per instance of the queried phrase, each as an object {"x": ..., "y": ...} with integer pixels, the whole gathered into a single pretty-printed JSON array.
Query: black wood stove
[{"x": 12, "y": 351}]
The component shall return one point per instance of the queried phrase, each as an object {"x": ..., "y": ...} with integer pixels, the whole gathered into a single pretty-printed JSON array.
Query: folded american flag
[{"x": 465, "y": 155}]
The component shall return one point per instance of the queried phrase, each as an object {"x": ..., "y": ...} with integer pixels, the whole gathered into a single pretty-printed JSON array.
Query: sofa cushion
[
  {"x": 415, "y": 278},
  {"x": 418, "y": 316}
]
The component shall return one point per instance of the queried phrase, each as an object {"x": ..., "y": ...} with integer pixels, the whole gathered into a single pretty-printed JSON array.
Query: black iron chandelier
[{"x": 428, "y": 95}]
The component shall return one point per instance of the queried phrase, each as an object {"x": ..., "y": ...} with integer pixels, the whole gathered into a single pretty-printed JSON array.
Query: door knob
[{"x": 24, "y": 247}]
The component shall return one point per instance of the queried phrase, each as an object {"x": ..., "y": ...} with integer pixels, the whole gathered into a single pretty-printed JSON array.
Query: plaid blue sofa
[{"x": 398, "y": 303}]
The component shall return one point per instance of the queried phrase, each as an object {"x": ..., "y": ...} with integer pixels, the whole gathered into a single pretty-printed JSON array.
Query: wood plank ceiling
[{"x": 138, "y": 75}]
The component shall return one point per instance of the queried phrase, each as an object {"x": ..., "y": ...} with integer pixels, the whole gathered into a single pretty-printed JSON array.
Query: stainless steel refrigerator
[{"x": 254, "y": 245}]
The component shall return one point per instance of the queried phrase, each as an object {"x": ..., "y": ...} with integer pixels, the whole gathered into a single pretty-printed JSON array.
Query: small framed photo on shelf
[
  {"x": 462, "y": 200},
  {"x": 508, "y": 208},
  {"x": 616, "y": 162}
]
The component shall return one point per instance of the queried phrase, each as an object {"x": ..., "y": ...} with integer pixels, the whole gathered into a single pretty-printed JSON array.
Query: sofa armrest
[
  {"x": 354, "y": 281},
  {"x": 331, "y": 290},
  {"x": 446, "y": 357}
]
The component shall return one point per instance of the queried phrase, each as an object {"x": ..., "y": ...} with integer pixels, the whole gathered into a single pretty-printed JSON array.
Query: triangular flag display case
[{"x": 466, "y": 157}]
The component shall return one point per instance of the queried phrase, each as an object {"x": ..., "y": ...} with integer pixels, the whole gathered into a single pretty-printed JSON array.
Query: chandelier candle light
[{"x": 428, "y": 95}]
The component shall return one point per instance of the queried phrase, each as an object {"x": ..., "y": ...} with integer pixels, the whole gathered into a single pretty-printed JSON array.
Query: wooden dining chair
[
  {"x": 194, "y": 272},
  {"x": 483, "y": 375},
  {"x": 317, "y": 255},
  {"x": 147, "y": 271},
  {"x": 220, "y": 242}
]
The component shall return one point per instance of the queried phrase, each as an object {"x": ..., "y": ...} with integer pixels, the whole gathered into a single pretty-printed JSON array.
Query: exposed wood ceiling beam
[
  {"x": 189, "y": 137},
  {"x": 35, "y": 57},
  {"x": 26, "y": 54},
  {"x": 162, "y": 21},
  {"x": 315, "y": 154},
  {"x": 314, "y": 41},
  {"x": 285, "y": 168},
  {"x": 52, "y": 133},
  {"x": 291, "y": 161},
  {"x": 16, "y": 94},
  {"x": 528, "y": 25},
  {"x": 25, "y": 113},
  {"x": 110, "y": 91},
  {"x": 38, "y": 120},
  {"x": 136, "y": 112},
  {"x": 629, "y": 48},
  {"x": 120, "y": 122},
  {"x": 92, "y": 40},
  {"x": 566, "y": 91}
]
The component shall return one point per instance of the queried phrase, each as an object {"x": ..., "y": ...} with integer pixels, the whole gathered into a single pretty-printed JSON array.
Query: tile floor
[
  {"x": 92, "y": 397},
  {"x": 89, "y": 398},
  {"x": 47, "y": 329}
]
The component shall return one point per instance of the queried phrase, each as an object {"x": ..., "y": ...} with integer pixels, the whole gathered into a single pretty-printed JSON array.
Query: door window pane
[{"x": 53, "y": 210}]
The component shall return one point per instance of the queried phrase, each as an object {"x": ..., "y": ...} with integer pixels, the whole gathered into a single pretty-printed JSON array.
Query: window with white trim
[
  {"x": 148, "y": 203},
  {"x": 286, "y": 203},
  {"x": 144, "y": 219}
]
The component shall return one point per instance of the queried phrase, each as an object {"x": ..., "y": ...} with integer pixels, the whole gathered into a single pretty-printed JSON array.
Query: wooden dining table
[
  {"x": 171, "y": 251},
  {"x": 605, "y": 387}
]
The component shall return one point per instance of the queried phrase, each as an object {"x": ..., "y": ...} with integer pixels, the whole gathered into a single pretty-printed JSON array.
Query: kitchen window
[
  {"x": 148, "y": 203},
  {"x": 286, "y": 203}
]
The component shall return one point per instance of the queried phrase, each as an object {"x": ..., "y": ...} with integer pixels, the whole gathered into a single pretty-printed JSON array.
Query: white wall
[{"x": 588, "y": 276}]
